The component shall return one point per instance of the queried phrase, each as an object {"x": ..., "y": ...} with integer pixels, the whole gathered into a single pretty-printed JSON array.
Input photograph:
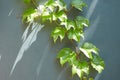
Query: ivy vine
[{"x": 56, "y": 11}]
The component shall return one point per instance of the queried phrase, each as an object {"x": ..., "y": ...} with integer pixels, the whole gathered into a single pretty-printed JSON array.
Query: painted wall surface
[{"x": 39, "y": 62}]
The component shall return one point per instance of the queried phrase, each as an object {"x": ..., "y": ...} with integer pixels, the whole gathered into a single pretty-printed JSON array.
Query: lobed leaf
[
  {"x": 75, "y": 34},
  {"x": 58, "y": 32},
  {"x": 80, "y": 68},
  {"x": 97, "y": 63},
  {"x": 88, "y": 48}
]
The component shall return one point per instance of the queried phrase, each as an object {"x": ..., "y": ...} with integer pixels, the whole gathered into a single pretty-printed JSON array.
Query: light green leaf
[
  {"x": 58, "y": 32},
  {"x": 79, "y": 4},
  {"x": 88, "y": 48},
  {"x": 81, "y": 22},
  {"x": 75, "y": 34},
  {"x": 97, "y": 63}
]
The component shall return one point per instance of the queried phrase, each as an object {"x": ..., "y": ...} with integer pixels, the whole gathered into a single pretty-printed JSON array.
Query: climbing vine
[{"x": 82, "y": 58}]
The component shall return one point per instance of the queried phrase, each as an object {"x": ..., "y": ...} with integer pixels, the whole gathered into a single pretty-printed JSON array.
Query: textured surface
[{"x": 39, "y": 62}]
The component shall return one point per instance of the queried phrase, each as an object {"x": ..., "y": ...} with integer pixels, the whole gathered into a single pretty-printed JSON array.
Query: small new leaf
[
  {"x": 58, "y": 32},
  {"x": 97, "y": 63},
  {"x": 88, "y": 48},
  {"x": 78, "y": 4}
]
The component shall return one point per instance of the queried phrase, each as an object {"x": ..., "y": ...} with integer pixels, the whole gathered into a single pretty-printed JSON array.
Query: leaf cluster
[{"x": 56, "y": 11}]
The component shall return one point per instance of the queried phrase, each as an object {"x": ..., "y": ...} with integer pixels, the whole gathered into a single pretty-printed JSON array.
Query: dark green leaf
[
  {"x": 97, "y": 63},
  {"x": 79, "y": 4},
  {"x": 58, "y": 32}
]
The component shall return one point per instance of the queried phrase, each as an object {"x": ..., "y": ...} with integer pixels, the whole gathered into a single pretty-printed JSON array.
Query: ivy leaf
[
  {"x": 70, "y": 24},
  {"x": 97, "y": 63},
  {"x": 88, "y": 48},
  {"x": 65, "y": 55},
  {"x": 75, "y": 34},
  {"x": 62, "y": 16},
  {"x": 58, "y": 32},
  {"x": 78, "y": 4},
  {"x": 29, "y": 14},
  {"x": 80, "y": 68},
  {"x": 81, "y": 22},
  {"x": 27, "y": 1}
]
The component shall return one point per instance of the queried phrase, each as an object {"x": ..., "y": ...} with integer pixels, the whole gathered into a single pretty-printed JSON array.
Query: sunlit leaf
[
  {"x": 97, "y": 63},
  {"x": 58, "y": 32},
  {"x": 88, "y": 49},
  {"x": 79, "y": 4},
  {"x": 27, "y": 43}
]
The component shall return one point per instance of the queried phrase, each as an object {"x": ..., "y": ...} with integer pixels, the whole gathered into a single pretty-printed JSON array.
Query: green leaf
[
  {"x": 75, "y": 34},
  {"x": 80, "y": 68},
  {"x": 27, "y": 1},
  {"x": 78, "y": 4},
  {"x": 49, "y": 2},
  {"x": 70, "y": 24},
  {"x": 29, "y": 14},
  {"x": 97, "y": 63},
  {"x": 58, "y": 32},
  {"x": 66, "y": 55},
  {"x": 88, "y": 48},
  {"x": 81, "y": 22}
]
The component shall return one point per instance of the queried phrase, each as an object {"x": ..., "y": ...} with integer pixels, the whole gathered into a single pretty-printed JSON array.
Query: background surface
[{"x": 39, "y": 62}]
